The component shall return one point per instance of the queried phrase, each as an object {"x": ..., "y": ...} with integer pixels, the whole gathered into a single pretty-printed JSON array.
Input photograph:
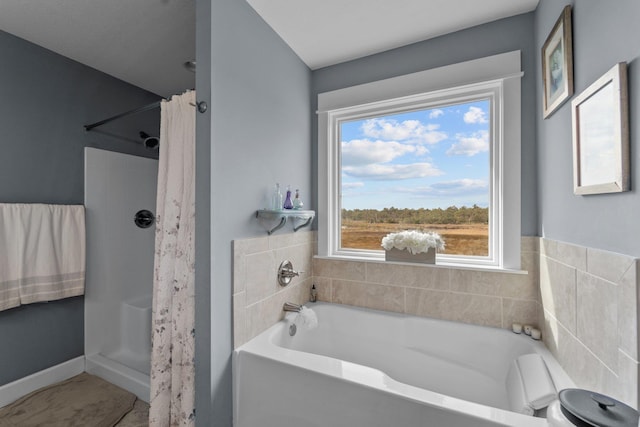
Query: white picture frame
[{"x": 600, "y": 126}]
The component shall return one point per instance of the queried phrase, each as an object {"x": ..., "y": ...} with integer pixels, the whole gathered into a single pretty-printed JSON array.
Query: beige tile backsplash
[
  {"x": 485, "y": 298},
  {"x": 257, "y": 296},
  {"x": 585, "y": 301},
  {"x": 590, "y": 305}
]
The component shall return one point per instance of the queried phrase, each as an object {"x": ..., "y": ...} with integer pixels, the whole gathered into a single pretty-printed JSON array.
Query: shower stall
[{"x": 119, "y": 282}]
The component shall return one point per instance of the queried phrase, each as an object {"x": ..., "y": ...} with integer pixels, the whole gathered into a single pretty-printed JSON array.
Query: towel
[
  {"x": 44, "y": 253},
  {"x": 306, "y": 318}
]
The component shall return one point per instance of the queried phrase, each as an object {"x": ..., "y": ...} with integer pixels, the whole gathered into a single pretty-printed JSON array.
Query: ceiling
[
  {"x": 143, "y": 42},
  {"x": 328, "y": 32},
  {"x": 146, "y": 42}
]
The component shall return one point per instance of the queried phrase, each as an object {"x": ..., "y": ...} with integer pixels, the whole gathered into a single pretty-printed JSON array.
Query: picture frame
[
  {"x": 600, "y": 126},
  {"x": 557, "y": 64}
]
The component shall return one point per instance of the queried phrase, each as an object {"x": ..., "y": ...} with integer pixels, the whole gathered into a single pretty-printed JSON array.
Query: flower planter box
[{"x": 404, "y": 255}]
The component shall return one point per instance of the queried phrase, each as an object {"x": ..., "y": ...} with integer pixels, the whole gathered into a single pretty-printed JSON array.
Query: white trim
[
  {"x": 15, "y": 390},
  {"x": 497, "y": 67},
  {"x": 500, "y": 74},
  {"x": 116, "y": 373},
  {"x": 484, "y": 269},
  {"x": 511, "y": 164},
  {"x": 491, "y": 91}
]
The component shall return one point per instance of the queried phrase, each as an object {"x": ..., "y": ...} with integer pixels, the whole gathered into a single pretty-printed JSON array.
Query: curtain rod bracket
[{"x": 201, "y": 106}]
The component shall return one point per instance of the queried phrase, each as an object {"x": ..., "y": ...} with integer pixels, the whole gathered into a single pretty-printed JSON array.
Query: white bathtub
[{"x": 371, "y": 368}]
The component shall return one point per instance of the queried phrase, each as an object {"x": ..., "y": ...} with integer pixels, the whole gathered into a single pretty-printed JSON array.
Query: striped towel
[{"x": 42, "y": 253}]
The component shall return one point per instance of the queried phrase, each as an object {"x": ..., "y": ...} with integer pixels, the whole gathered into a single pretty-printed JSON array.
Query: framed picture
[
  {"x": 600, "y": 119},
  {"x": 557, "y": 64}
]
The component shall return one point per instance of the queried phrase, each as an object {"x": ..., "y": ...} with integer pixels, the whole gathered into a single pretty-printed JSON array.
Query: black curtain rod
[
  {"x": 201, "y": 106},
  {"x": 128, "y": 113}
]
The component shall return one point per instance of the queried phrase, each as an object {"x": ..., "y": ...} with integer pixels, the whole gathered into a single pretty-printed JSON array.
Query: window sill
[{"x": 450, "y": 265}]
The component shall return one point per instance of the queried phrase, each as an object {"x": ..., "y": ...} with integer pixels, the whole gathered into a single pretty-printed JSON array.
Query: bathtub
[{"x": 364, "y": 367}]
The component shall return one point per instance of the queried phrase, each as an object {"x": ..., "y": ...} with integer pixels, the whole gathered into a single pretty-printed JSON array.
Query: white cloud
[
  {"x": 363, "y": 151},
  {"x": 351, "y": 185},
  {"x": 475, "y": 115},
  {"x": 421, "y": 150},
  {"x": 434, "y": 114},
  {"x": 470, "y": 145},
  {"x": 460, "y": 187},
  {"x": 392, "y": 171},
  {"x": 408, "y": 130}
]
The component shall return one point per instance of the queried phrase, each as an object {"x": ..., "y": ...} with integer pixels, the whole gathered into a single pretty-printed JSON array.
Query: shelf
[{"x": 299, "y": 219}]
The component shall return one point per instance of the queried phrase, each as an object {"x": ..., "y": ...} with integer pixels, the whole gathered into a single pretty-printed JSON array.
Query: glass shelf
[{"x": 299, "y": 219}]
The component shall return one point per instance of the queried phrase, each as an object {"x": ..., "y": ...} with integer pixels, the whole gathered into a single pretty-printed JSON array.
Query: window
[
  {"x": 426, "y": 168},
  {"x": 437, "y": 150}
]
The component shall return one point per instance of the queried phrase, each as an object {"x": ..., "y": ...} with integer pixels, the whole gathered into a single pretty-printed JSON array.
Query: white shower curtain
[{"x": 172, "y": 356}]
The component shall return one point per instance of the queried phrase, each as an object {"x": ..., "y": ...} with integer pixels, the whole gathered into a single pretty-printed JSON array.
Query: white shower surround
[
  {"x": 119, "y": 268},
  {"x": 366, "y": 367}
]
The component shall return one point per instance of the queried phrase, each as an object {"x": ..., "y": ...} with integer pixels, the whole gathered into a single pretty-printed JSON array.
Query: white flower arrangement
[{"x": 413, "y": 240}]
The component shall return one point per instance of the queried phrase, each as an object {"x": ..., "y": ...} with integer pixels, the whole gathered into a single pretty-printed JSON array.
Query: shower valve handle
[
  {"x": 291, "y": 273},
  {"x": 286, "y": 273}
]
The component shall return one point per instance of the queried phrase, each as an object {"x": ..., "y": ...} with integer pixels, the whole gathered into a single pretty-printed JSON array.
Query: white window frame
[{"x": 497, "y": 78}]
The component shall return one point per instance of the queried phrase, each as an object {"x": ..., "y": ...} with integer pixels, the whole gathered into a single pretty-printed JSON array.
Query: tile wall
[
  {"x": 257, "y": 296},
  {"x": 590, "y": 305},
  {"x": 485, "y": 298},
  {"x": 585, "y": 301}
]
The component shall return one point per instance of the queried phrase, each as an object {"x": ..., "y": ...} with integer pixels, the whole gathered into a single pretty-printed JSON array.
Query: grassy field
[{"x": 467, "y": 239}]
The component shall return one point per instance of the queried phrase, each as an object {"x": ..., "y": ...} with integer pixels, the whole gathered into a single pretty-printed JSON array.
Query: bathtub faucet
[{"x": 289, "y": 306}]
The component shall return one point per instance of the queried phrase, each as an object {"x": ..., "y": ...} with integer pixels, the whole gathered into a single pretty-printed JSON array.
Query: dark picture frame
[{"x": 557, "y": 64}]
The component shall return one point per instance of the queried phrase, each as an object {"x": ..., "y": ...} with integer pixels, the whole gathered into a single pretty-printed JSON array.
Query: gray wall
[
  {"x": 46, "y": 99},
  {"x": 604, "y": 33},
  {"x": 203, "y": 213},
  {"x": 260, "y": 134},
  {"x": 263, "y": 131},
  {"x": 505, "y": 35}
]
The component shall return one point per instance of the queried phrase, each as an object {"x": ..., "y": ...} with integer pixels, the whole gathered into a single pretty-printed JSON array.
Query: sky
[{"x": 431, "y": 158}]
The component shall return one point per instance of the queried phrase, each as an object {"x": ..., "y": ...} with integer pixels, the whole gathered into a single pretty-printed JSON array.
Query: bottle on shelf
[
  {"x": 276, "y": 199},
  {"x": 297, "y": 201},
  {"x": 288, "y": 204}
]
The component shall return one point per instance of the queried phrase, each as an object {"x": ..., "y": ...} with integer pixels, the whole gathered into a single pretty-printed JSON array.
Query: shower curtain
[{"x": 172, "y": 355}]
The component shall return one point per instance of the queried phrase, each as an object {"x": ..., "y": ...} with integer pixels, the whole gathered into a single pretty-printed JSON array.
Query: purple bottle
[{"x": 288, "y": 204}]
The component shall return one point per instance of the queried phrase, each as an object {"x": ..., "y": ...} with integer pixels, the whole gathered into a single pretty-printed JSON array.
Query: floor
[
  {"x": 138, "y": 417},
  {"x": 80, "y": 401}
]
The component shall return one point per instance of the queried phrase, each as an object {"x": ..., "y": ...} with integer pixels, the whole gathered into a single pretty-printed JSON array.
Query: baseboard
[
  {"x": 116, "y": 373},
  {"x": 18, "y": 388}
]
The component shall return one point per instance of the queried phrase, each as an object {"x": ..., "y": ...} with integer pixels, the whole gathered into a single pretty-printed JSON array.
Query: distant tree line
[{"x": 450, "y": 215}]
